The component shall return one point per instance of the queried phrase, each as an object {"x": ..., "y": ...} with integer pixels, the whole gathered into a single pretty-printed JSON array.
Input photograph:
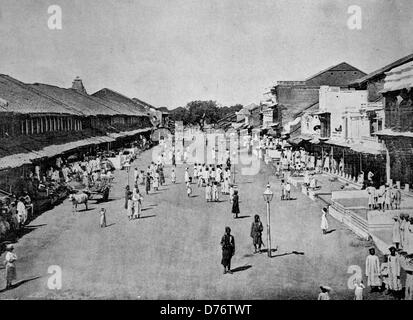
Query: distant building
[{"x": 291, "y": 97}]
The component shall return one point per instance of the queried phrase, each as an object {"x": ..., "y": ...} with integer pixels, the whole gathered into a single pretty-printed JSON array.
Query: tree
[{"x": 201, "y": 112}]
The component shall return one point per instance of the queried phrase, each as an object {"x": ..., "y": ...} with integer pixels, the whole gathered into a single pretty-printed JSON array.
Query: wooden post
[{"x": 332, "y": 159}]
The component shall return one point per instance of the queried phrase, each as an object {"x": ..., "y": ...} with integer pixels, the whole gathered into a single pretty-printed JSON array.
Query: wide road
[{"x": 173, "y": 252}]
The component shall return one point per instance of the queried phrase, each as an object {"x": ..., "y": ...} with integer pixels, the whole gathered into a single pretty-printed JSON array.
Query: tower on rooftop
[{"x": 77, "y": 84}]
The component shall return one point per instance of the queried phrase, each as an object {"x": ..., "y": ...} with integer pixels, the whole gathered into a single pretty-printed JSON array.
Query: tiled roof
[
  {"x": 120, "y": 103},
  {"x": 21, "y": 98},
  {"x": 381, "y": 71},
  {"x": 88, "y": 105},
  {"x": 342, "y": 66}
]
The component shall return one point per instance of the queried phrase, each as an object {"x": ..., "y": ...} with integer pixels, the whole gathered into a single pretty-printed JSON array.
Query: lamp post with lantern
[{"x": 268, "y": 195}]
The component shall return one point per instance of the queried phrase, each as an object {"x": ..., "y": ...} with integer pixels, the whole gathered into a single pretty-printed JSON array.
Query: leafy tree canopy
[{"x": 202, "y": 112}]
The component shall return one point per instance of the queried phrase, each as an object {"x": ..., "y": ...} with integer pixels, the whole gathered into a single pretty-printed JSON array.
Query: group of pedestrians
[
  {"x": 402, "y": 232},
  {"x": 216, "y": 179},
  {"x": 152, "y": 179},
  {"x": 386, "y": 197},
  {"x": 385, "y": 277}
]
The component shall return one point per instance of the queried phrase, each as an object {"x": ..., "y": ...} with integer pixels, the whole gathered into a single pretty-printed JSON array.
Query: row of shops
[{"x": 45, "y": 128}]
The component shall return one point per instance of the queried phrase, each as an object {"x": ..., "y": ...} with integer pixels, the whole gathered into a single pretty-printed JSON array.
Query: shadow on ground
[
  {"x": 242, "y": 268},
  {"x": 19, "y": 283}
]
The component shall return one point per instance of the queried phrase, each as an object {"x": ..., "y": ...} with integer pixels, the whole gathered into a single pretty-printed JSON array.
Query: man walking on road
[
  {"x": 256, "y": 233},
  {"x": 228, "y": 249},
  {"x": 235, "y": 204},
  {"x": 324, "y": 222}
]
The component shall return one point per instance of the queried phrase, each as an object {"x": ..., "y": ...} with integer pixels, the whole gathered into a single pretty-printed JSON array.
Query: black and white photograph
[{"x": 206, "y": 150}]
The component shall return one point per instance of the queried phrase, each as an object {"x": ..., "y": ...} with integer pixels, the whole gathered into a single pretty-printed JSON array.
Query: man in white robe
[
  {"x": 394, "y": 271},
  {"x": 373, "y": 270},
  {"x": 396, "y": 237}
]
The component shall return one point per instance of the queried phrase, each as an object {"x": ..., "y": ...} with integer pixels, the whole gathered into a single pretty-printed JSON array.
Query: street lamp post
[{"x": 267, "y": 198}]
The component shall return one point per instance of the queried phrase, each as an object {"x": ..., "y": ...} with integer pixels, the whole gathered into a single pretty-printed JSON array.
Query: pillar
[{"x": 388, "y": 168}]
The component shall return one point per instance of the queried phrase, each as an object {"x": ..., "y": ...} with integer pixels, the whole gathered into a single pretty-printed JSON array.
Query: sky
[{"x": 170, "y": 52}]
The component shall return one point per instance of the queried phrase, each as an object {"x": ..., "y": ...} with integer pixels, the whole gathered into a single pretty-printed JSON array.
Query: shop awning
[
  {"x": 315, "y": 140},
  {"x": 296, "y": 140},
  {"x": 237, "y": 125},
  {"x": 368, "y": 148},
  {"x": 123, "y": 134},
  {"x": 19, "y": 159},
  {"x": 104, "y": 139},
  {"x": 338, "y": 143},
  {"x": 305, "y": 137},
  {"x": 320, "y": 112},
  {"x": 399, "y": 78},
  {"x": 16, "y": 160}
]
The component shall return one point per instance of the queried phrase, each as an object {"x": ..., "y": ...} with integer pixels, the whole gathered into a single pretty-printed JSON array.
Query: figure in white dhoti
[
  {"x": 384, "y": 272},
  {"x": 186, "y": 175},
  {"x": 231, "y": 192},
  {"x": 358, "y": 289},
  {"x": 195, "y": 172},
  {"x": 188, "y": 189},
  {"x": 324, "y": 222},
  {"x": 200, "y": 175},
  {"x": 373, "y": 270},
  {"x": 394, "y": 271},
  {"x": 10, "y": 259},
  {"x": 21, "y": 211},
  {"x": 156, "y": 181},
  {"x": 371, "y": 191},
  {"x": 409, "y": 236},
  {"x": 402, "y": 230},
  {"x": 324, "y": 294},
  {"x": 208, "y": 192},
  {"x": 396, "y": 231}
]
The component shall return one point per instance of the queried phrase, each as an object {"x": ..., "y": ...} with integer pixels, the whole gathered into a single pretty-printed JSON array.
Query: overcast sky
[{"x": 169, "y": 52}]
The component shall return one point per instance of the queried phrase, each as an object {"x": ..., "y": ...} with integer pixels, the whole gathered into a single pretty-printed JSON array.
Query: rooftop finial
[{"x": 77, "y": 85}]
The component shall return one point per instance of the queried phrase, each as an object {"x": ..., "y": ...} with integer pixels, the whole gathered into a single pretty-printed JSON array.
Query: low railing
[{"x": 351, "y": 218}]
